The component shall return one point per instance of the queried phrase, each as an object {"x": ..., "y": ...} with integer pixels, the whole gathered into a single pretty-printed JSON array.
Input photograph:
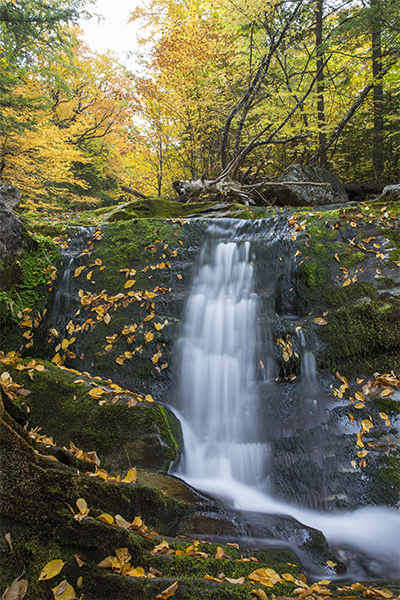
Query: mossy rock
[
  {"x": 124, "y": 429},
  {"x": 37, "y": 498}
]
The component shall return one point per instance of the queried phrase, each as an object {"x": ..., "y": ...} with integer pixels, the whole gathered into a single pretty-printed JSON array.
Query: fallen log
[{"x": 130, "y": 190}]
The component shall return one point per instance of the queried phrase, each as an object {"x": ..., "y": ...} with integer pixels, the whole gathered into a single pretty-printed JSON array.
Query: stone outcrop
[
  {"x": 301, "y": 185},
  {"x": 391, "y": 192},
  {"x": 10, "y": 196},
  {"x": 11, "y": 233}
]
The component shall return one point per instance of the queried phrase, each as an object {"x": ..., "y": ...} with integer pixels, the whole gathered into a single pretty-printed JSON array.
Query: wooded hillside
[{"x": 237, "y": 87}]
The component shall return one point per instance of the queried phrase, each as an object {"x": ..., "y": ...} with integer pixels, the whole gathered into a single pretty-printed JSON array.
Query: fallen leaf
[
  {"x": 50, "y": 570},
  {"x": 131, "y": 476},
  {"x": 239, "y": 581},
  {"x": 220, "y": 553},
  {"x": 170, "y": 591},
  {"x": 320, "y": 321},
  {"x": 149, "y": 336},
  {"x": 16, "y": 591},
  {"x": 64, "y": 591},
  {"x": 106, "y": 518},
  {"x": 96, "y": 392},
  {"x": 260, "y": 593},
  {"x": 78, "y": 271},
  {"x": 120, "y": 522},
  {"x": 138, "y": 572},
  {"x": 386, "y": 392}
]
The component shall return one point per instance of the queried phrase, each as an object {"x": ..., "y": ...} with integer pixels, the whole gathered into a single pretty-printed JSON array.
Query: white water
[
  {"x": 217, "y": 370},
  {"x": 223, "y": 454}
]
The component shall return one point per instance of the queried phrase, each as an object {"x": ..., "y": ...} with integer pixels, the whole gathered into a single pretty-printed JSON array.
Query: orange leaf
[{"x": 170, "y": 591}]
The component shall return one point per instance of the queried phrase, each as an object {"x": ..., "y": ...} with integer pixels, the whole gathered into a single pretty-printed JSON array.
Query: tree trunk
[
  {"x": 377, "y": 150},
  {"x": 320, "y": 82}
]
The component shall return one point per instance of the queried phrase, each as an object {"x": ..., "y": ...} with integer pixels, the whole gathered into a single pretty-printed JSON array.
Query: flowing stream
[{"x": 225, "y": 452}]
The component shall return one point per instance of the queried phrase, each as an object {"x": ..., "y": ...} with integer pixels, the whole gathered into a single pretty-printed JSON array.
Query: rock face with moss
[
  {"x": 52, "y": 512},
  {"x": 102, "y": 322},
  {"x": 123, "y": 428}
]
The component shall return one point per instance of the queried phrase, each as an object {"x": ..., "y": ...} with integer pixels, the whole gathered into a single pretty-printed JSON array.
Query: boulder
[
  {"x": 11, "y": 233},
  {"x": 10, "y": 196},
  {"x": 391, "y": 192},
  {"x": 301, "y": 185}
]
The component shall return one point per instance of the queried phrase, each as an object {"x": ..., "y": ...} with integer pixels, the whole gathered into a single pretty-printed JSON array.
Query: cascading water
[
  {"x": 217, "y": 374},
  {"x": 224, "y": 452}
]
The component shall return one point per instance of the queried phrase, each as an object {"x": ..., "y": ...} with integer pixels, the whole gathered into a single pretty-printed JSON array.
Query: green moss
[
  {"x": 121, "y": 436},
  {"x": 351, "y": 257},
  {"x": 387, "y": 405},
  {"x": 363, "y": 335},
  {"x": 313, "y": 275}
]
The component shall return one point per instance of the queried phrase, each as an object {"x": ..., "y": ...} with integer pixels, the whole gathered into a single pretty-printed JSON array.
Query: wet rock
[
  {"x": 309, "y": 186},
  {"x": 11, "y": 233},
  {"x": 123, "y": 435},
  {"x": 10, "y": 196}
]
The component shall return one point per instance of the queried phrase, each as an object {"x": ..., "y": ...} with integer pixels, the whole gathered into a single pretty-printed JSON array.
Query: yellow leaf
[
  {"x": 130, "y": 283},
  {"x": 362, "y": 453},
  {"x": 238, "y": 581},
  {"x": 320, "y": 321},
  {"x": 64, "y": 591},
  {"x": 359, "y": 396},
  {"x": 149, "y": 317},
  {"x": 64, "y": 344},
  {"x": 82, "y": 506},
  {"x": 130, "y": 476},
  {"x": 179, "y": 276},
  {"x": 106, "y": 518},
  {"x": 386, "y": 392},
  {"x": 138, "y": 572},
  {"x": 78, "y": 271},
  {"x": 123, "y": 555},
  {"x": 56, "y": 359},
  {"x": 96, "y": 392},
  {"x": 208, "y": 577},
  {"x": 383, "y": 416},
  {"x": 154, "y": 359},
  {"x": 260, "y": 593},
  {"x": 359, "y": 405},
  {"x": 107, "y": 318},
  {"x": 160, "y": 548},
  {"x": 158, "y": 326},
  {"x": 170, "y": 591},
  {"x": 347, "y": 282},
  {"x": 366, "y": 425},
  {"x": 384, "y": 592},
  {"x": 51, "y": 570},
  {"x": 120, "y": 522},
  {"x": 89, "y": 275},
  {"x": 149, "y": 398},
  {"x": 149, "y": 336}
]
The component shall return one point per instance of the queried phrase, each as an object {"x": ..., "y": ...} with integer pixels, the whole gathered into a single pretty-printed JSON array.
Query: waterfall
[
  {"x": 224, "y": 452},
  {"x": 217, "y": 368}
]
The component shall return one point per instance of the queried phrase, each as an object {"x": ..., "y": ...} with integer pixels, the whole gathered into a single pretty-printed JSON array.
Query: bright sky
[{"x": 113, "y": 32}]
